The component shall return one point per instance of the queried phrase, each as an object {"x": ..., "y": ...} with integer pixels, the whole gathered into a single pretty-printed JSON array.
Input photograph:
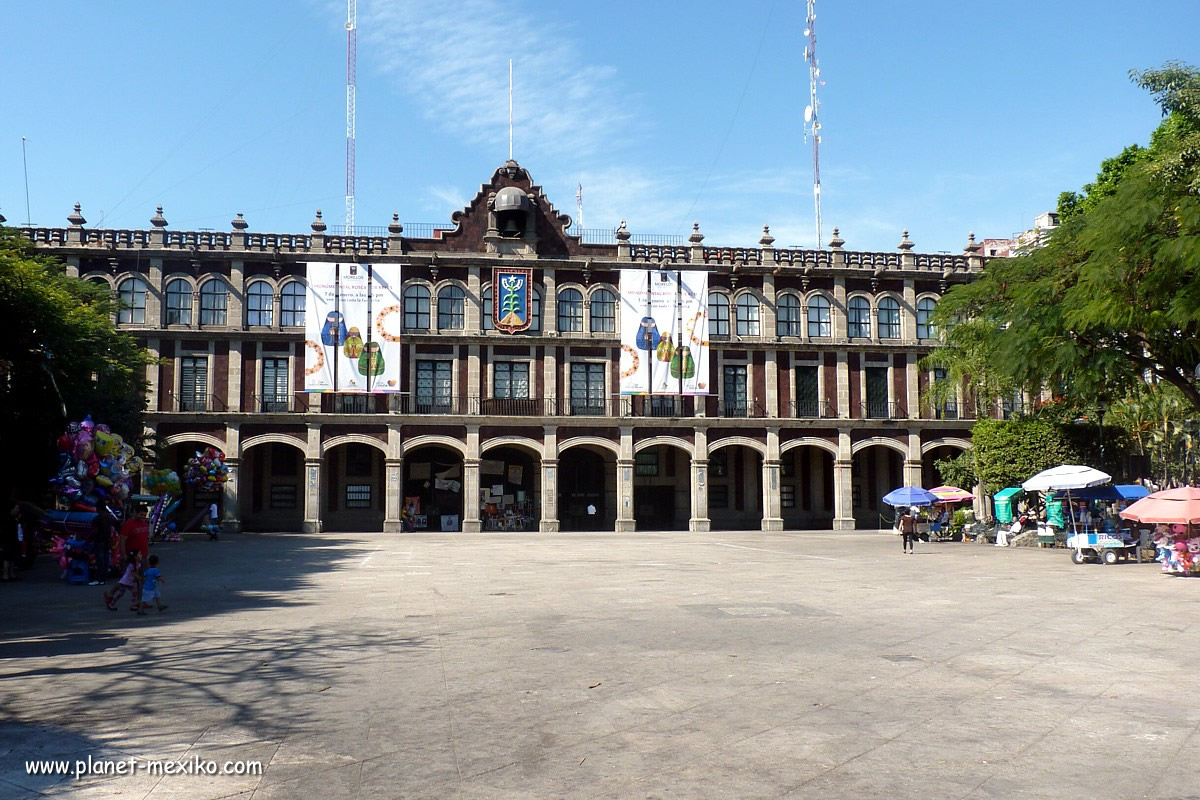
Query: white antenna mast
[
  {"x": 812, "y": 124},
  {"x": 510, "y": 158},
  {"x": 351, "y": 110}
]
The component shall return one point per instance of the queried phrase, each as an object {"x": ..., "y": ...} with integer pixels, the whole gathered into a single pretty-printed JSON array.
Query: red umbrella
[
  {"x": 1178, "y": 506},
  {"x": 952, "y": 494}
]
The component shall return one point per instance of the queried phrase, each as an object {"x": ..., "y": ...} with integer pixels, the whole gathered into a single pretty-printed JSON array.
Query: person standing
[
  {"x": 135, "y": 534},
  {"x": 214, "y": 521},
  {"x": 908, "y": 531}
]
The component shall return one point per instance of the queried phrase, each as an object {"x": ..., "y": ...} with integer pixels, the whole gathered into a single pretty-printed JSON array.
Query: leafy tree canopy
[
  {"x": 1115, "y": 293},
  {"x": 1007, "y": 452},
  {"x": 60, "y": 351}
]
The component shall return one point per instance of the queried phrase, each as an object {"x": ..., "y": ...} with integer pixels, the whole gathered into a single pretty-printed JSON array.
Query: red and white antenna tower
[
  {"x": 812, "y": 124},
  {"x": 351, "y": 111}
]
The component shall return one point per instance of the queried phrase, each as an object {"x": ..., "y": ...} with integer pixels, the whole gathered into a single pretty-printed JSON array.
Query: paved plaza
[{"x": 672, "y": 665}]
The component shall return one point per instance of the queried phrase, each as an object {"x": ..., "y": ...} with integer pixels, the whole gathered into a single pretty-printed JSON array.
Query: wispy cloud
[{"x": 456, "y": 70}]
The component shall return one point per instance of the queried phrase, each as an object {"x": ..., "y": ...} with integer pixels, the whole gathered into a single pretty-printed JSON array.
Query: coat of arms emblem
[{"x": 511, "y": 299}]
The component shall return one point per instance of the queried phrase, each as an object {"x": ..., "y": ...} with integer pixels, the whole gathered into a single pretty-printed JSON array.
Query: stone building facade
[{"x": 815, "y": 411}]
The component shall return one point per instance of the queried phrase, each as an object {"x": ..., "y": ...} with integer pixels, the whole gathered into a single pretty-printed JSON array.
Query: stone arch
[
  {"x": 882, "y": 441},
  {"x": 744, "y": 441},
  {"x": 360, "y": 438},
  {"x": 203, "y": 438},
  {"x": 947, "y": 441},
  {"x": 278, "y": 438},
  {"x": 174, "y": 276},
  {"x": 588, "y": 291},
  {"x": 522, "y": 442},
  {"x": 104, "y": 276},
  {"x": 433, "y": 439},
  {"x": 595, "y": 441},
  {"x": 674, "y": 441},
  {"x": 810, "y": 441}
]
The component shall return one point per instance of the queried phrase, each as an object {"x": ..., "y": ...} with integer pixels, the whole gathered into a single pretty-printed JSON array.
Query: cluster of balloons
[
  {"x": 95, "y": 464},
  {"x": 160, "y": 482},
  {"x": 207, "y": 469}
]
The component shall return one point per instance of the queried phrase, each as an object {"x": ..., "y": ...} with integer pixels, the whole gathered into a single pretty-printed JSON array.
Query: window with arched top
[
  {"x": 604, "y": 311},
  {"x": 260, "y": 300},
  {"x": 131, "y": 293},
  {"x": 452, "y": 302},
  {"x": 787, "y": 322},
  {"x": 925, "y": 328},
  {"x": 718, "y": 314},
  {"x": 858, "y": 313},
  {"x": 291, "y": 305},
  {"x": 818, "y": 317},
  {"x": 179, "y": 302},
  {"x": 214, "y": 300},
  {"x": 889, "y": 318},
  {"x": 570, "y": 311},
  {"x": 747, "y": 315},
  {"x": 416, "y": 308}
]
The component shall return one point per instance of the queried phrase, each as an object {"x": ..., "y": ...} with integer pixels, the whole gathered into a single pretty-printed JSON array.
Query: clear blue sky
[{"x": 940, "y": 117}]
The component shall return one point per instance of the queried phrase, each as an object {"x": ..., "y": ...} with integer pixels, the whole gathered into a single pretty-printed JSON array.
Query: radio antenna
[
  {"x": 351, "y": 106},
  {"x": 812, "y": 123}
]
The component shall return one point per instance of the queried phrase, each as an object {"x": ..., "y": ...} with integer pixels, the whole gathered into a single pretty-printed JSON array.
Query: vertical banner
[
  {"x": 664, "y": 332},
  {"x": 352, "y": 324},
  {"x": 691, "y": 358}
]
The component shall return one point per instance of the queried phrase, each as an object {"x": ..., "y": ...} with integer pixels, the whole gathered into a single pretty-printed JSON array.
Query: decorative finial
[
  {"x": 158, "y": 220},
  {"x": 318, "y": 224},
  {"x": 905, "y": 244},
  {"x": 837, "y": 241},
  {"x": 76, "y": 219},
  {"x": 394, "y": 227},
  {"x": 767, "y": 239},
  {"x": 972, "y": 245},
  {"x": 697, "y": 237},
  {"x": 239, "y": 223},
  {"x": 622, "y": 233}
]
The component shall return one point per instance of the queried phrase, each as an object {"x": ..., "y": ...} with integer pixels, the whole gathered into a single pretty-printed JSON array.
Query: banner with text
[
  {"x": 657, "y": 357},
  {"x": 353, "y": 315}
]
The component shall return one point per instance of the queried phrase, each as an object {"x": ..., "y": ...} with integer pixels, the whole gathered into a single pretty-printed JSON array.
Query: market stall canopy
[
  {"x": 1132, "y": 491},
  {"x": 1113, "y": 493},
  {"x": 1003, "y": 503},
  {"x": 1179, "y": 506},
  {"x": 1068, "y": 476},
  {"x": 910, "y": 496},
  {"x": 951, "y": 494}
]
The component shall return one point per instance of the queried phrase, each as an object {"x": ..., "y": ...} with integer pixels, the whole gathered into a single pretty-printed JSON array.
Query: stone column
[
  {"x": 700, "y": 522},
  {"x": 772, "y": 504},
  {"x": 549, "y": 522},
  {"x": 154, "y": 297},
  {"x": 231, "y": 518},
  {"x": 471, "y": 522},
  {"x": 771, "y": 396},
  {"x": 393, "y": 476},
  {"x": 153, "y": 346},
  {"x": 912, "y": 464},
  {"x": 233, "y": 386},
  {"x": 312, "y": 480},
  {"x": 473, "y": 377},
  {"x": 838, "y": 319},
  {"x": 843, "y": 493},
  {"x": 843, "y": 384},
  {"x": 549, "y": 303},
  {"x": 625, "y": 520},
  {"x": 235, "y": 316}
]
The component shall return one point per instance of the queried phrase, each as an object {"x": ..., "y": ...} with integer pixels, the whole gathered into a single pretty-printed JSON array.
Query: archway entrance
[
  {"x": 735, "y": 487},
  {"x": 587, "y": 489},
  {"x": 433, "y": 488},
  {"x": 662, "y": 488},
  {"x": 512, "y": 478},
  {"x": 194, "y": 504},
  {"x": 930, "y": 477},
  {"x": 272, "y": 492},
  {"x": 806, "y": 488},
  {"x": 875, "y": 471},
  {"x": 352, "y": 485}
]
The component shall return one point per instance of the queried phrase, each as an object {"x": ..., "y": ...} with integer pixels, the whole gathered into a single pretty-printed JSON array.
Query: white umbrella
[{"x": 1067, "y": 477}]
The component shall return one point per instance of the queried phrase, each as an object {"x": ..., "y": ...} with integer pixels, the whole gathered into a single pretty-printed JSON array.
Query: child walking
[
  {"x": 127, "y": 583},
  {"x": 150, "y": 580}
]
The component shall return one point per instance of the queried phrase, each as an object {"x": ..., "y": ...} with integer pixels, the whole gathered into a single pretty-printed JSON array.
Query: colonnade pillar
[
  {"x": 312, "y": 481},
  {"x": 471, "y": 522},
  {"x": 231, "y": 518},
  {"x": 843, "y": 485},
  {"x": 700, "y": 521},
  {"x": 912, "y": 464},
  {"x": 772, "y": 519},
  {"x": 625, "y": 520}
]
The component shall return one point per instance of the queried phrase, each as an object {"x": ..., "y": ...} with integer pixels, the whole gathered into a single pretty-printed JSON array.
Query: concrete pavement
[{"x": 648, "y": 665}]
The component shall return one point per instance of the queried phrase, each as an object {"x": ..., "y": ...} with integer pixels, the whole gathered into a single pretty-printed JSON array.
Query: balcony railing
[
  {"x": 734, "y": 409},
  {"x": 194, "y": 403},
  {"x": 946, "y": 411},
  {"x": 814, "y": 409},
  {"x": 882, "y": 410},
  {"x": 298, "y": 403}
]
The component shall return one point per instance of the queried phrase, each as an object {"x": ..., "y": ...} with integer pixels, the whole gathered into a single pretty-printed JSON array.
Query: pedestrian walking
[
  {"x": 908, "y": 531},
  {"x": 214, "y": 521},
  {"x": 127, "y": 583},
  {"x": 151, "y": 577}
]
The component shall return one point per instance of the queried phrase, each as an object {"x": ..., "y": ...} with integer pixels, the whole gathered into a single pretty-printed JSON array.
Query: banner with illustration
[
  {"x": 664, "y": 332},
  {"x": 353, "y": 315}
]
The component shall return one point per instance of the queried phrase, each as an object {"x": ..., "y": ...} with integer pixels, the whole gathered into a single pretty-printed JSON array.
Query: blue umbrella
[{"x": 910, "y": 496}]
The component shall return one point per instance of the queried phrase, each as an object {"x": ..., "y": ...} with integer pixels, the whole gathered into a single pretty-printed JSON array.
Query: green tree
[
  {"x": 1114, "y": 296},
  {"x": 1105, "y": 185},
  {"x": 1007, "y": 452},
  {"x": 61, "y": 355}
]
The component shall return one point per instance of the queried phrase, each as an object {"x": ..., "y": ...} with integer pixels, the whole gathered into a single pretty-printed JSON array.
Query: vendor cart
[{"x": 1106, "y": 548}]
